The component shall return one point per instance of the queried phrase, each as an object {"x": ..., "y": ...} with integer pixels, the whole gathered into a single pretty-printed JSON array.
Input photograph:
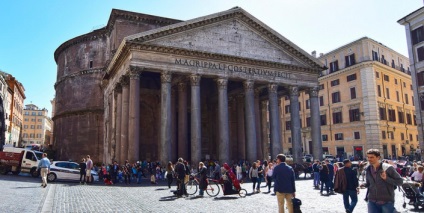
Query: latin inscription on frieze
[{"x": 232, "y": 68}]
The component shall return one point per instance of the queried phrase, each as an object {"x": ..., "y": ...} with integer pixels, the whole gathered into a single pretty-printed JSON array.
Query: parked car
[
  {"x": 308, "y": 158},
  {"x": 66, "y": 170},
  {"x": 329, "y": 157}
]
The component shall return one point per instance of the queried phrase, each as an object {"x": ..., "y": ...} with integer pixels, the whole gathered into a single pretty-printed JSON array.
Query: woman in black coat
[
  {"x": 203, "y": 182},
  {"x": 324, "y": 178},
  {"x": 83, "y": 167}
]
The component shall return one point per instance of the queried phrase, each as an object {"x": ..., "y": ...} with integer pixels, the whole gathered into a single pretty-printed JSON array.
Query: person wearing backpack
[
  {"x": 346, "y": 182},
  {"x": 381, "y": 180}
]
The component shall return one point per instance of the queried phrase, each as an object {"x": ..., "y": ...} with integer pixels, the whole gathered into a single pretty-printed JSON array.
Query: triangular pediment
[{"x": 234, "y": 33}]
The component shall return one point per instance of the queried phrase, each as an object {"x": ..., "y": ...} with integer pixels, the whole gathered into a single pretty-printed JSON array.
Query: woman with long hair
[
  {"x": 253, "y": 175},
  {"x": 169, "y": 173}
]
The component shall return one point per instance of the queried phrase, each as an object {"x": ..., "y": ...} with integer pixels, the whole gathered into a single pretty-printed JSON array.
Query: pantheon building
[{"x": 151, "y": 88}]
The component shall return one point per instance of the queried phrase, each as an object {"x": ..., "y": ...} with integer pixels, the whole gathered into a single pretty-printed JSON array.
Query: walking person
[
  {"x": 217, "y": 171},
  {"x": 260, "y": 175},
  {"x": 284, "y": 184},
  {"x": 253, "y": 175},
  {"x": 381, "y": 179},
  {"x": 316, "y": 167},
  {"x": 239, "y": 172},
  {"x": 330, "y": 176},
  {"x": 88, "y": 169},
  {"x": 324, "y": 178},
  {"x": 180, "y": 174},
  {"x": 346, "y": 182},
  {"x": 83, "y": 167},
  {"x": 268, "y": 173},
  {"x": 203, "y": 183},
  {"x": 44, "y": 167},
  {"x": 169, "y": 173}
]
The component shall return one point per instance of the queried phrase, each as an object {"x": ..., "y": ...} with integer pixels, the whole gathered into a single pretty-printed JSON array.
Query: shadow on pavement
[
  {"x": 225, "y": 198},
  {"x": 168, "y": 198}
]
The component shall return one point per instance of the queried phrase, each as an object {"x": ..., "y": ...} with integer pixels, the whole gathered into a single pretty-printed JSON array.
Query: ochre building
[
  {"x": 147, "y": 87},
  {"x": 366, "y": 101}
]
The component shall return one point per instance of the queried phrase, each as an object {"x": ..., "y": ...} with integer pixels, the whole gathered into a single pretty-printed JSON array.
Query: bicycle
[{"x": 193, "y": 184}]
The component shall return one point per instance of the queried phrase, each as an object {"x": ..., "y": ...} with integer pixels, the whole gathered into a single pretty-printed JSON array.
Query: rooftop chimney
[
  {"x": 314, "y": 54},
  {"x": 321, "y": 54}
]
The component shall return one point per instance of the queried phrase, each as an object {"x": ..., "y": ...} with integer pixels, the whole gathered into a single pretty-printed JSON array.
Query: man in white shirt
[{"x": 89, "y": 167}]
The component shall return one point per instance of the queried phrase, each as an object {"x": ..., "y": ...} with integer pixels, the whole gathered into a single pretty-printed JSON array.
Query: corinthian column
[
  {"x": 315, "y": 123},
  {"x": 196, "y": 137},
  {"x": 264, "y": 128},
  {"x": 241, "y": 134},
  {"x": 250, "y": 121},
  {"x": 124, "y": 119},
  {"x": 258, "y": 126},
  {"x": 134, "y": 115},
  {"x": 224, "y": 137},
  {"x": 118, "y": 93},
  {"x": 165, "y": 120},
  {"x": 295, "y": 124},
  {"x": 182, "y": 121},
  {"x": 274, "y": 117}
]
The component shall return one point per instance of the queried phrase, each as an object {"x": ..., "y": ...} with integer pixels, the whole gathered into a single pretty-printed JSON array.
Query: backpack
[{"x": 296, "y": 205}]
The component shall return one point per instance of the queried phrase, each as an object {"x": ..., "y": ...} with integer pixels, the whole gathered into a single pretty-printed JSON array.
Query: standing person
[
  {"x": 284, "y": 185},
  {"x": 346, "y": 182},
  {"x": 253, "y": 175},
  {"x": 180, "y": 174},
  {"x": 330, "y": 176},
  {"x": 44, "y": 166},
  {"x": 260, "y": 175},
  {"x": 316, "y": 168},
  {"x": 268, "y": 173},
  {"x": 381, "y": 179},
  {"x": 239, "y": 172},
  {"x": 89, "y": 167},
  {"x": 83, "y": 173},
  {"x": 114, "y": 172},
  {"x": 203, "y": 184},
  {"x": 169, "y": 173},
  {"x": 324, "y": 178},
  {"x": 217, "y": 171}
]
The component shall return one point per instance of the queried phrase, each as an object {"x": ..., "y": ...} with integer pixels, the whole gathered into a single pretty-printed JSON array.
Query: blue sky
[{"x": 30, "y": 31}]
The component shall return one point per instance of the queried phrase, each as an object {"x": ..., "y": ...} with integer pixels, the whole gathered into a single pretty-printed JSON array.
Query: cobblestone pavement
[{"x": 24, "y": 194}]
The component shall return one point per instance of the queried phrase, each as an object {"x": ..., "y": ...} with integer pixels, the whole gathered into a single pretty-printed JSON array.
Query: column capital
[
  {"x": 134, "y": 72},
  {"x": 249, "y": 85},
  {"x": 118, "y": 88},
  {"x": 195, "y": 80},
  {"x": 294, "y": 90},
  {"x": 222, "y": 83},
  {"x": 272, "y": 88},
  {"x": 264, "y": 104},
  {"x": 182, "y": 86},
  {"x": 165, "y": 77},
  {"x": 257, "y": 92},
  {"x": 124, "y": 80},
  {"x": 313, "y": 91}
]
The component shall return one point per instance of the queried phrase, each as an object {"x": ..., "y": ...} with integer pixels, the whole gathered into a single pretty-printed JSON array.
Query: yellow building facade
[
  {"x": 366, "y": 101},
  {"x": 37, "y": 126}
]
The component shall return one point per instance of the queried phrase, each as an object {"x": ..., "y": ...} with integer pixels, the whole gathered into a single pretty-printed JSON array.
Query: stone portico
[{"x": 206, "y": 88}]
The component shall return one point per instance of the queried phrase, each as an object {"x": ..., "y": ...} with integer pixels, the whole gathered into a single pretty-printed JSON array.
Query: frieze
[
  {"x": 195, "y": 80},
  {"x": 354, "y": 106},
  {"x": 165, "y": 77},
  {"x": 337, "y": 109}
]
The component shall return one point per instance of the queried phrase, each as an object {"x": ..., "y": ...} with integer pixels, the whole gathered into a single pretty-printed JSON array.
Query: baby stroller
[
  {"x": 411, "y": 191},
  {"x": 229, "y": 183}
]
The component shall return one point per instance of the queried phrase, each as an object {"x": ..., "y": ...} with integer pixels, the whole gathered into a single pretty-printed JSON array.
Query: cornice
[
  {"x": 73, "y": 75},
  {"x": 78, "y": 112},
  {"x": 238, "y": 14}
]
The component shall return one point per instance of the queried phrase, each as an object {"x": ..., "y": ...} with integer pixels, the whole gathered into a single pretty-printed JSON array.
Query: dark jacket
[
  {"x": 379, "y": 189},
  {"x": 352, "y": 179},
  {"x": 203, "y": 184},
  {"x": 180, "y": 171},
  {"x": 340, "y": 181},
  {"x": 330, "y": 170},
  {"x": 324, "y": 174},
  {"x": 283, "y": 176},
  {"x": 83, "y": 167}
]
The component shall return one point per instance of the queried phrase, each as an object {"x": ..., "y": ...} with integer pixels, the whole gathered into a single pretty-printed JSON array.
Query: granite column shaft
[
  {"x": 124, "y": 119},
  {"x": 315, "y": 123},
  {"x": 182, "y": 121},
  {"x": 165, "y": 120},
  {"x": 295, "y": 125},
  {"x": 196, "y": 137},
  {"x": 275, "y": 124},
  {"x": 134, "y": 118},
  {"x": 250, "y": 121},
  {"x": 224, "y": 136}
]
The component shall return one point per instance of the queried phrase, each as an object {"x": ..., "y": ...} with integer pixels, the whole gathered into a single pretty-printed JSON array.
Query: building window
[
  {"x": 404, "y": 84},
  {"x": 334, "y": 66},
  {"x": 386, "y": 78},
  {"x": 288, "y": 125},
  {"x": 401, "y": 68},
  {"x": 375, "y": 56},
  {"x": 392, "y": 115},
  {"x": 406, "y": 99},
  {"x": 396, "y": 82},
  {"x": 408, "y": 118},
  {"x": 397, "y": 96},
  {"x": 401, "y": 117},
  {"x": 287, "y": 109},
  {"x": 338, "y": 136},
  {"x": 324, "y": 137},
  {"x": 335, "y": 96},
  {"x": 356, "y": 135},
  {"x": 402, "y": 136},
  {"x": 393, "y": 64},
  {"x": 378, "y": 90},
  {"x": 308, "y": 121},
  {"x": 383, "y": 134},
  {"x": 383, "y": 115},
  {"x": 350, "y": 60},
  {"x": 25, "y": 126},
  {"x": 33, "y": 113},
  {"x": 289, "y": 140},
  {"x": 308, "y": 104},
  {"x": 417, "y": 35},
  {"x": 321, "y": 100},
  {"x": 351, "y": 77},
  {"x": 321, "y": 86},
  {"x": 337, "y": 118},
  {"x": 391, "y": 135},
  {"x": 377, "y": 74},
  {"x": 32, "y": 126},
  {"x": 91, "y": 64},
  {"x": 323, "y": 119},
  {"x": 420, "y": 53},
  {"x": 387, "y": 93},
  {"x": 412, "y": 100},
  {"x": 411, "y": 138},
  {"x": 415, "y": 120},
  {"x": 335, "y": 82},
  {"x": 383, "y": 60},
  {"x": 39, "y": 120},
  {"x": 354, "y": 115},
  {"x": 353, "y": 93}
]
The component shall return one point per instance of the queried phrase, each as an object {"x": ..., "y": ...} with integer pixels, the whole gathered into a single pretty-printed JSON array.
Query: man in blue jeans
[
  {"x": 381, "y": 181},
  {"x": 352, "y": 189},
  {"x": 316, "y": 168}
]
